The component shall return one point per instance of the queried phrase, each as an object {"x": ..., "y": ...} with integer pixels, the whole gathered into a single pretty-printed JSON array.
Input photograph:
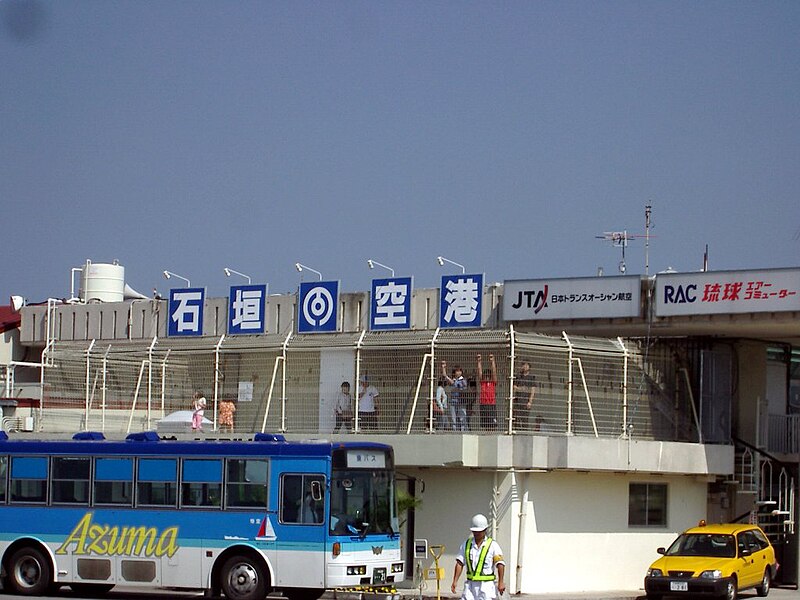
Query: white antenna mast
[
  {"x": 647, "y": 210},
  {"x": 620, "y": 240}
]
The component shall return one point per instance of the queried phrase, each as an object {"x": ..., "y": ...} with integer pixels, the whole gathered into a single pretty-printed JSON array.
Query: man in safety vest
[{"x": 484, "y": 564}]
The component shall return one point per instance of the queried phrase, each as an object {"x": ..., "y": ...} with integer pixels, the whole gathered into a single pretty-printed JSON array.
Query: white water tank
[{"x": 102, "y": 282}]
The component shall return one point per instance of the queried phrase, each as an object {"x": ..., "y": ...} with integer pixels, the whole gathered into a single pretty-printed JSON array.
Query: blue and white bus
[{"x": 243, "y": 518}]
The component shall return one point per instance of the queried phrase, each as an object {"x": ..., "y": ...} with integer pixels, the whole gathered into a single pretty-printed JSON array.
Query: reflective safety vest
[{"x": 476, "y": 574}]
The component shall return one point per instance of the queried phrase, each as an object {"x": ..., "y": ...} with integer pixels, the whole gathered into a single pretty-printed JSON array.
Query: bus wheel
[
  {"x": 29, "y": 572},
  {"x": 303, "y": 593},
  {"x": 93, "y": 590},
  {"x": 243, "y": 579}
]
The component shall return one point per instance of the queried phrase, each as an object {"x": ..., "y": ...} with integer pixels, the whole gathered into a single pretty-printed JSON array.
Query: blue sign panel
[
  {"x": 186, "y": 311},
  {"x": 390, "y": 306},
  {"x": 461, "y": 301},
  {"x": 317, "y": 307},
  {"x": 247, "y": 309}
]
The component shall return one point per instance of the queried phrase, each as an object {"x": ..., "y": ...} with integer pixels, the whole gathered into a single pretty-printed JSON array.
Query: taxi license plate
[{"x": 678, "y": 586}]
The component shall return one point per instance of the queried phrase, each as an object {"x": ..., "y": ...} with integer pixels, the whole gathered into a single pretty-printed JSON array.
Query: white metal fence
[{"x": 583, "y": 386}]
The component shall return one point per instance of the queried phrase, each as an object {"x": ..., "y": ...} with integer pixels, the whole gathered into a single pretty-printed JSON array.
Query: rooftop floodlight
[
  {"x": 441, "y": 260},
  {"x": 372, "y": 264},
  {"x": 170, "y": 274},
  {"x": 301, "y": 267},
  {"x": 228, "y": 271},
  {"x": 17, "y": 302}
]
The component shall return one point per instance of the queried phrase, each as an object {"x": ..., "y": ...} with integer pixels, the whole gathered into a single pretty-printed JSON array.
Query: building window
[{"x": 647, "y": 505}]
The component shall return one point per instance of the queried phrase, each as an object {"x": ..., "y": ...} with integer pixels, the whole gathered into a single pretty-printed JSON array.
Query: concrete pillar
[{"x": 752, "y": 388}]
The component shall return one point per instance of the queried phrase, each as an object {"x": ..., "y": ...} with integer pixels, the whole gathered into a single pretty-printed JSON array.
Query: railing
[
  {"x": 583, "y": 386},
  {"x": 783, "y": 434}
]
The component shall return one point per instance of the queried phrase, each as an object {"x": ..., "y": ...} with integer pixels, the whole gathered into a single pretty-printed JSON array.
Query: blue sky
[{"x": 191, "y": 136}]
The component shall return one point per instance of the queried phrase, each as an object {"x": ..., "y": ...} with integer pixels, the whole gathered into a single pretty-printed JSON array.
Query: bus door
[{"x": 300, "y": 527}]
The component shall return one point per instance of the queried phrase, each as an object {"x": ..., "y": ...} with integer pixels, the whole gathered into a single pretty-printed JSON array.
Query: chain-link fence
[{"x": 387, "y": 382}]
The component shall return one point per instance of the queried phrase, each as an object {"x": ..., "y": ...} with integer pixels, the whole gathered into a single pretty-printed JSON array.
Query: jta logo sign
[{"x": 535, "y": 299}]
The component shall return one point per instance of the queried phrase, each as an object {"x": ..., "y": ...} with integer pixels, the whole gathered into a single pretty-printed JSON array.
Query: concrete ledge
[{"x": 555, "y": 453}]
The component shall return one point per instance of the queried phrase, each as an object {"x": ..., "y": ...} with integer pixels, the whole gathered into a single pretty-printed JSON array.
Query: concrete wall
[
  {"x": 9, "y": 346},
  {"x": 752, "y": 388},
  {"x": 142, "y": 319},
  {"x": 557, "y": 530}
]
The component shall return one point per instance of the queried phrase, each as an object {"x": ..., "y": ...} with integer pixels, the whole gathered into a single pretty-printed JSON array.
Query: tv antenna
[{"x": 620, "y": 239}]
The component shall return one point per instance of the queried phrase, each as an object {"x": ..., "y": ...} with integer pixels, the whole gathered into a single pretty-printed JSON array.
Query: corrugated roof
[{"x": 9, "y": 319}]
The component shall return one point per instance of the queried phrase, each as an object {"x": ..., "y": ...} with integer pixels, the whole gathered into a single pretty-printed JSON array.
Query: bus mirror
[{"x": 316, "y": 490}]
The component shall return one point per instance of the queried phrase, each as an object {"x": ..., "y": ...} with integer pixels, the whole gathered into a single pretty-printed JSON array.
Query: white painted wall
[
  {"x": 335, "y": 366},
  {"x": 576, "y": 536},
  {"x": 777, "y": 385}
]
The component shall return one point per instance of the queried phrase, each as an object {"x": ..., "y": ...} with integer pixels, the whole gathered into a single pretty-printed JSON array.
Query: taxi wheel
[
  {"x": 731, "y": 591},
  {"x": 763, "y": 589}
]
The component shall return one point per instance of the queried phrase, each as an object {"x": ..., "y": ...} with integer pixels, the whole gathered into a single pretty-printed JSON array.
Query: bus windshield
[{"x": 362, "y": 502}]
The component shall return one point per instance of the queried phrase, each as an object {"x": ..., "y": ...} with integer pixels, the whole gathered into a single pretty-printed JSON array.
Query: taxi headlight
[
  {"x": 711, "y": 574},
  {"x": 357, "y": 570},
  {"x": 655, "y": 572},
  {"x": 397, "y": 567}
]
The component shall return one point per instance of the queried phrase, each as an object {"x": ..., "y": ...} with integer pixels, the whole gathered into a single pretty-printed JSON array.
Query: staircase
[{"x": 774, "y": 494}]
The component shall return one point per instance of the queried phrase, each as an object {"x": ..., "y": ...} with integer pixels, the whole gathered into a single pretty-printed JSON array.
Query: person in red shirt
[{"x": 487, "y": 382}]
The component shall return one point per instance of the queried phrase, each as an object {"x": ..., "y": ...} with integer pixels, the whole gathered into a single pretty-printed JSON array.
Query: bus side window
[
  {"x": 3, "y": 478},
  {"x": 157, "y": 482},
  {"x": 70, "y": 480},
  {"x": 201, "y": 482},
  {"x": 301, "y": 500},
  {"x": 246, "y": 485},
  {"x": 29, "y": 479},
  {"x": 113, "y": 481}
]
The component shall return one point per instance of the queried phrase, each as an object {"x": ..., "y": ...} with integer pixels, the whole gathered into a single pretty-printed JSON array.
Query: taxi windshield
[{"x": 703, "y": 544}]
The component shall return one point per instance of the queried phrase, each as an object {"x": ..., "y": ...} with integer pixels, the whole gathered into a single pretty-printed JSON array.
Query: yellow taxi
[{"x": 714, "y": 560}]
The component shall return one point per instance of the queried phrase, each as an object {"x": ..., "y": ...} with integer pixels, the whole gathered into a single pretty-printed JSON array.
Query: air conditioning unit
[{"x": 26, "y": 424}]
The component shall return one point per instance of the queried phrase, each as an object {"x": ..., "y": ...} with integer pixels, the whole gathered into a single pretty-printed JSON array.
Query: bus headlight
[
  {"x": 397, "y": 567},
  {"x": 357, "y": 570}
]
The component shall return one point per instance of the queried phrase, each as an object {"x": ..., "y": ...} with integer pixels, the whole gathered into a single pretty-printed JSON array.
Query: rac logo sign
[{"x": 680, "y": 294}]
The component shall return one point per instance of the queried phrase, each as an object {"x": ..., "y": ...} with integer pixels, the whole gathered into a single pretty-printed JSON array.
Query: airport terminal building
[{"x": 657, "y": 401}]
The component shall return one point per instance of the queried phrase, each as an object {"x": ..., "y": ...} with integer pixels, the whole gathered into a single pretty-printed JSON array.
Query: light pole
[
  {"x": 228, "y": 271},
  {"x": 441, "y": 260},
  {"x": 372, "y": 264},
  {"x": 170, "y": 274},
  {"x": 301, "y": 267}
]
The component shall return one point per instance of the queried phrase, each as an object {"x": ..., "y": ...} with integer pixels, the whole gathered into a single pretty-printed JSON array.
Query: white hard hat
[{"x": 479, "y": 523}]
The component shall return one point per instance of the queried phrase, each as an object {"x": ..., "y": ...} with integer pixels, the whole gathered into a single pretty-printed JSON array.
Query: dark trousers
[
  {"x": 488, "y": 414},
  {"x": 343, "y": 420},
  {"x": 368, "y": 421},
  {"x": 522, "y": 415}
]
